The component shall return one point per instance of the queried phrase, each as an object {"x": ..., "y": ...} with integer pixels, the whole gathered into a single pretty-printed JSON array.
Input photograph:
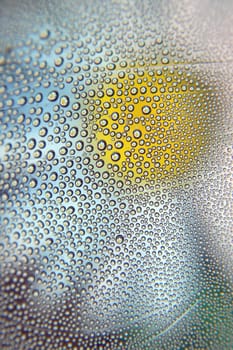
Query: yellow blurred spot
[{"x": 151, "y": 124}]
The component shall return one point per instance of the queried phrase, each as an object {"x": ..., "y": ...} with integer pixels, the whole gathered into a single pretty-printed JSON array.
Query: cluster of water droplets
[{"x": 105, "y": 132}]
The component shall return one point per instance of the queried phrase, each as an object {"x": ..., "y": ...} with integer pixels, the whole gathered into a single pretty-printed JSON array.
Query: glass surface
[{"x": 116, "y": 175}]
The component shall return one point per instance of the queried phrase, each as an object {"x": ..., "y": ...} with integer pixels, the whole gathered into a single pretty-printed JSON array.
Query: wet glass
[{"x": 116, "y": 175}]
